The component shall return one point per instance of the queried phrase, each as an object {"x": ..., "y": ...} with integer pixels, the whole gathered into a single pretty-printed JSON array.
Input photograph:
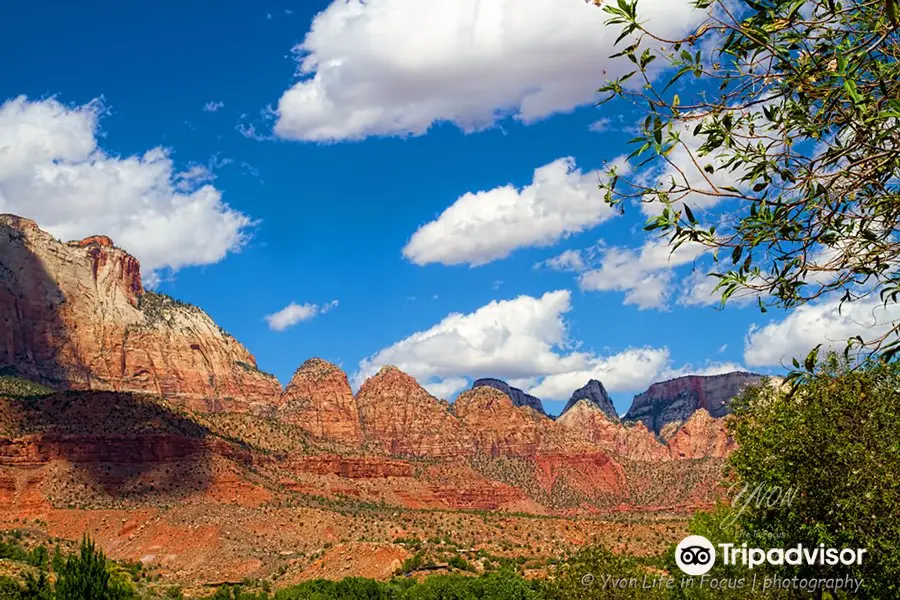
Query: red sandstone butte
[
  {"x": 319, "y": 400},
  {"x": 76, "y": 316},
  {"x": 401, "y": 418}
]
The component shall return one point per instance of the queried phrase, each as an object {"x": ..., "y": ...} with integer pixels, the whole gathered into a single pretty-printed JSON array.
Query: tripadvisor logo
[{"x": 695, "y": 555}]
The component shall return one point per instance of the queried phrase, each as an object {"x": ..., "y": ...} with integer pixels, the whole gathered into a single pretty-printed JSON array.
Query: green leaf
[
  {"x": 676, "y": 77},
  {"x": 810, "y": 363},
  {"x": 690, "y": 215}
]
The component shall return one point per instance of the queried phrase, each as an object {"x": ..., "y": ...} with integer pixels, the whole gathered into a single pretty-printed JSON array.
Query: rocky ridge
[
  {"x": 498, "y": 426},
  {"x": 674, "y": 401},
  {"x": 596, "y": 394},
  {"x": 166, "y": 443},
  {"x": 319, "y": 400},
  {"x": 518, "y": 397},
  {"x": 75, "y": 316}
]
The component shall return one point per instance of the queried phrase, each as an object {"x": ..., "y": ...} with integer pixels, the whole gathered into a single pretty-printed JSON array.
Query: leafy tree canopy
[
  {"x": 781, "y": 154},
  {"x": 834, "y": 441}
]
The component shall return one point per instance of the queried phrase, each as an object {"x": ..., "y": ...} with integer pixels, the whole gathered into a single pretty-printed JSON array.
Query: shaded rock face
[
  {"x": 319, "y": 400},
  {"x": 76, "y": 316},
  {"x": 518, "y": 397},
  {"x": 676, "y": 400},
  {"x": 595, "y": 393},
  {"x": 399, "y": 417}
]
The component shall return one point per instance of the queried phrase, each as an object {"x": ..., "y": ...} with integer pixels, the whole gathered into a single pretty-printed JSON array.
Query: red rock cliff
[
  {"x": 635, "y": 442},
  {"x": 399, "y": 417},
  {"x": 499, "y": 427},
  {"x": 701, "y": 437},
  {"x": 319, "y": 400},
  {"x": 76, "y": 316}
]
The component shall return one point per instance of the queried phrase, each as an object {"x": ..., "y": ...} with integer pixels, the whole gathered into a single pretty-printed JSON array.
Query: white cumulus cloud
[
  {"x": 827, "y": 323},
  {"x": 630, "y": 370},
  {"x": 53, "y": 170},
  {"x": 569, "y": 260},
  {"x": 396, "y": 67},
  {"x": 295, "y": 313},
  {"x": 446, "y": 388},
  {"x": 522, "y": 340},
  {"x": 644, "y": 274},
  {"x": 485, "y": 226}
]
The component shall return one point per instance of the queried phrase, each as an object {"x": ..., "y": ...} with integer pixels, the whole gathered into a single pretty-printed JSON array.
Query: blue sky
[{"x": 311, "y": 204}]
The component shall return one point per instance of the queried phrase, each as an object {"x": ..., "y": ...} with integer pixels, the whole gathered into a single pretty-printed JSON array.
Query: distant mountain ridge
[
  {"x": 76, "y": 316},
  {"x": 518, "y": 397},
  {"x": 596, "y": 394},
  {"x": 674, "y": 401}
]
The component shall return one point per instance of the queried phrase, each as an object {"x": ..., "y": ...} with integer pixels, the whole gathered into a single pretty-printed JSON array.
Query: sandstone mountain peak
[
  {"x": 98, "y": 240},
  {"x": 319, "y": 400},
  {"x": 500, "y": 427},
  {"x": 484, "y": 397},
  {"x": 596, "y": 394},
  {"x": 78, "y": 317},
  {"x": 582, "y": 405},
  {"x": 587, "y": 420},
  {"x": 701, "y": 436},
  {"x": 400, "y": 417},
  {"x": 17, "y": 222},
  {"x": 318, "y": 366},
  {"x": 518, "y": 397},
  {"x": 674, "y": 401},
  {"x": 389, "y": 370}
]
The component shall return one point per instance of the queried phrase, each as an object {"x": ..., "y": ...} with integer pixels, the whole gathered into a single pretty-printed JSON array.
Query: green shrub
[{"x": 85, "y": 576}]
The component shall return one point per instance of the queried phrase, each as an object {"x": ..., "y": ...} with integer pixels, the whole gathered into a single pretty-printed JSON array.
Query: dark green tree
[
  {"x": 835, "y": 441},
  {"x": 38, "y": 587},
  {"x": 40, "y": 558},
  {"x": 57, "y": 561},
  {"x": 10, "y": 589},
  {"x": 86, "y": 576}
]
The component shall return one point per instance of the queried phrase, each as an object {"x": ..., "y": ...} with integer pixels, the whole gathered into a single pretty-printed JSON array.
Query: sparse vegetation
[{"x": 18, "y": 388}]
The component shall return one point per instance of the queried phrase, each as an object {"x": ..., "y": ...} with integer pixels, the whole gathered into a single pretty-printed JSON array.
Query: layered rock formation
[
  {"x": 319, "y": 400},
  {"x": 518, "y": 397},
  {"x": 636, "y": 442},
  {"x": 500, "y": 428},
  {"x": 676, "y": 400},
  {"x": 595, "y": 393},
  {"x": 76, "y": 316},
  {"x": 399, "y": 417},
  {"x": 701, "y": 436}
]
